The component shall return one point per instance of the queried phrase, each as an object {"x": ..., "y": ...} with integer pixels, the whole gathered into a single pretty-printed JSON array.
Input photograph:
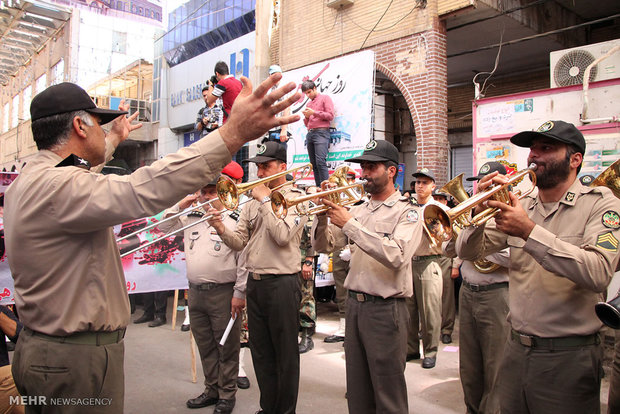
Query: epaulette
[
  {"x": 74, "y": 161},
  {"x": 235, "y": 214}
]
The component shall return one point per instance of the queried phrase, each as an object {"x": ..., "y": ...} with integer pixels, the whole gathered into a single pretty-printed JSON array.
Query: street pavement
[{"x": 158, "y": 374}]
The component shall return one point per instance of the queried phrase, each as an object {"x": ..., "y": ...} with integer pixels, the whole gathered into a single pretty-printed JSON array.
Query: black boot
[{"x": 306, "y": 343}]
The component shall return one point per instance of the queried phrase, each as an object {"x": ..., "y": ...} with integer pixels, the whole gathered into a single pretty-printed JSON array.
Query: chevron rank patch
[
  {"x": 412, "y": 216},
  {"x": 611, "y": 219},
  {"x": 607, "y": 241}
]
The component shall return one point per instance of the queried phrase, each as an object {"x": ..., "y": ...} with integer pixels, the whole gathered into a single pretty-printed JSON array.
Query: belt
[
  {"x": 267, "y": 276},
  {"x": 365, "y": 297},
  {"x": 483, "y": 288},
  {"x": 83, "y": 338},
  {"x": 206, "y": 286},
  {"x": 561, "y": 343},
  {"x": 430, "y": 257},
  {"x": 320, "y": 129}
]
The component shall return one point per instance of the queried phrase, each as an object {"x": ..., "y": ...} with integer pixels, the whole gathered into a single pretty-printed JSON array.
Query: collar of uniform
[
  {"x": 574, "y": 191},
  {"x": 74, "y": 161},
  {"x": 389, "y": 202}
]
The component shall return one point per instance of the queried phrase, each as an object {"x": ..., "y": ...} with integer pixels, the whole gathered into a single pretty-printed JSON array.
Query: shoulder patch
[
  {"x": 570, "y": 196},
  {"x": 413, "y": 216},
  {"x": 607, "y": 241},
  {"x": 611, "y": 219}
]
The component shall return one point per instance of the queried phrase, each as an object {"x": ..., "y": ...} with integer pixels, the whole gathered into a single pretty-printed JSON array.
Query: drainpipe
[{"x": 586, "y": 83}]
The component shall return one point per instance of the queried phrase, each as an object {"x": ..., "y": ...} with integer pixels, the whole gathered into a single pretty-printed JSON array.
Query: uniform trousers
[
  {"x": 483, "y": 331},
  {"x": 544, "y": 381},
  {"x": 273, "y": 320},
  {"x": 340, "y": 269},
  {"x": 155, "y": 303},
  {"x": 317, "y": 142},
  {"x": 376, "y": 346},
  {"x": 57, "y": 370},
  {"x": 425, "y": 306},
  {"x": 448, "y": 301},
  {"x": 209, "y": 311},
  {"x": 613, "y": 405},
  {"x": 307, "y": 309},
  {"x": 8, "y": 390}
]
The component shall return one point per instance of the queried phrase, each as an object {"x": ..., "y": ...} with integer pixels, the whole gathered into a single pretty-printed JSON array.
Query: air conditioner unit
[
  {"x": 568, "y": 66},
  {"x": 336, "y": 4}
]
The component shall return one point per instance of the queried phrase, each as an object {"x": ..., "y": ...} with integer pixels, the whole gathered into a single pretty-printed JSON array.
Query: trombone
[
  {"x": 439, "y": 223},
  {"x": 229, "y": 192}
]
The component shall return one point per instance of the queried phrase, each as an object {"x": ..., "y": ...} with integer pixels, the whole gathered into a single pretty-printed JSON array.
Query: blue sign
[{"x": 190, "y": 137}]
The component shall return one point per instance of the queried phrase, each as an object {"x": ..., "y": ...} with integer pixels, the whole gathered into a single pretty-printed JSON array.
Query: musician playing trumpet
[
  {"x": 382, "y": 234},
  {"x": 563, "y": 240},
  {"x": 273, "y": 295}
]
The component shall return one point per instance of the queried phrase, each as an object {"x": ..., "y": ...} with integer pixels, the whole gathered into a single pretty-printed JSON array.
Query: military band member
[
  {"x": 217, "y": 279},
  {"x": 382, "y": 234},
  {"x": 563, "y": 241},
  {"x": 425, "y": 306},
  {"x": 483, "y": 329},
  {"x": 69, "y": 282},
  {"x": 273, "y": 295}
]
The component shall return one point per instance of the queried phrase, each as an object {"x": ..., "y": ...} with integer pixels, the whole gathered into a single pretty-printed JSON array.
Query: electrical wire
[
  {"x": 483, "y": 88},
  {"x": 376, "y": 24}
]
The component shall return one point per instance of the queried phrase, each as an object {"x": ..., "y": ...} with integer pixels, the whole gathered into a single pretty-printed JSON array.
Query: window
[
  {"x": 15, "y": 111},
  {"x": 41, "y": 83},
  {"x": 26, "y": 98},
  {"x": 119, "y": 42},
  {"x": 58, "y": 72},
  {"x": 5, "y": 120}
]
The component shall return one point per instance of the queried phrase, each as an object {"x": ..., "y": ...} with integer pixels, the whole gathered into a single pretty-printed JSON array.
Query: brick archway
[{"x": 417, "y": 65}]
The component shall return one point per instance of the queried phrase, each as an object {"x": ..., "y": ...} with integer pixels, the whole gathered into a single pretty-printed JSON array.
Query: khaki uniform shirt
[
  {"x": 272, "y": 243},
  {"x": 207, "y": 258},
  {"x": 469, "y": 272},
  {"x": 427, "y": 247},
  {"x": 562, "y": 270},
  {"x": 382, "y": 238},
  {"x": 59, "y": 240}
]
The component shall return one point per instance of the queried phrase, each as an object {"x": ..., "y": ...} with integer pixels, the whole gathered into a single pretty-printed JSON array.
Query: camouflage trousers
[{"x": 307, "y": 307}]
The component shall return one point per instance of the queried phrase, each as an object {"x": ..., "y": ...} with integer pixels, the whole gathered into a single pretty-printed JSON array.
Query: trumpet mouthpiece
[{"x": 532, "y": 166}]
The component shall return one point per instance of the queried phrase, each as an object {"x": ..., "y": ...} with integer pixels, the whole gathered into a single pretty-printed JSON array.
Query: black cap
[
  {"x": 68, "y": 97},
  {"x": 488, "y": 168},
  {"x": 269, "y": 151},
  {"x": 424, "y": 172},
  {"x": 558, "y": 130},
  {"x": 440, "y": 194},
  {"x": 377, "y": 151}
]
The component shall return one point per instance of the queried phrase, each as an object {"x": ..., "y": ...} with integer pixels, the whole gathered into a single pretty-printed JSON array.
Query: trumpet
[
  {"x": 609, "y": 312},
  {"x": 341, "y": 196},
  {"x": 229, "y": 192},
  {"x": 455, "y": 188},
  {"x": 439, "y": 223}
]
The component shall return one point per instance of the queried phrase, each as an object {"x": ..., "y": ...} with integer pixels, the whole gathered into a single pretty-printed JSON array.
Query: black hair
[
  {"x": 221, "y": 68},
  {"x": 206, "y": 88},
  {"x": 54, "y": 130},
  {"x": 307, "y": 85}
]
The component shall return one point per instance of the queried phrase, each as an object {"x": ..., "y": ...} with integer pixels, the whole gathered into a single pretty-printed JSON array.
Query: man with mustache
[
  {"x": 382, "y": 233},
  {"x": 563, "y": 241}
]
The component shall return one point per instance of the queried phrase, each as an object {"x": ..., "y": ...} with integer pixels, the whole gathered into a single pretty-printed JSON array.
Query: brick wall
[
  {"x": 417, "y": 65},
  {"x": 310, "y": 32}
]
